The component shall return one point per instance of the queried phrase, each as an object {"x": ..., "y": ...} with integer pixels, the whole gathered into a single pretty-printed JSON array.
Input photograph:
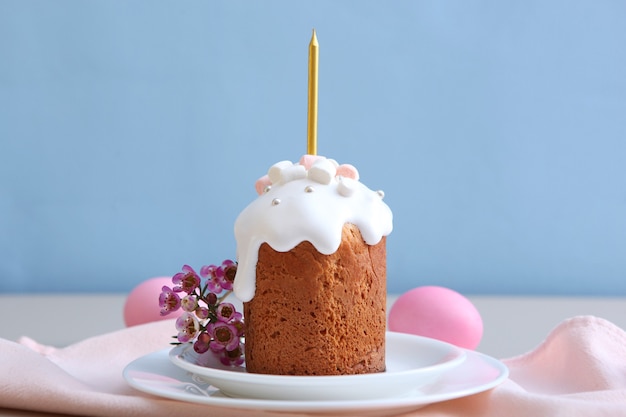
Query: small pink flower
[
  {"x": 169, "y": 301},
  {"x": 222, "y": 277},
  {"x": 232, "y": 357},
  {"x": 214, "y": 286},
  {"x": 202, "y": 313},
  {"x": 238, "y": 324},
  {"x": 208, "y": 271},
  {"x": 226, "y": 312},
  {"x": 213, "y": 282},
  {"x": 224, "y": 336},
  {"x": 206, "y": 322},
  {"x": 211, "y": 298},
  {"x": 186, "y": 281},
  {"x": 202, "y": 344},
  {"x": 187, "y": 326},
  {"x": 189, "y": 303},
  {"x": 226, "y": 274}
]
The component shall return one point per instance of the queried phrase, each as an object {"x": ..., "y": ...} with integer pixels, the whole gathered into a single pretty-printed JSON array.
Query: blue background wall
[{"x": 131, "y": 134}]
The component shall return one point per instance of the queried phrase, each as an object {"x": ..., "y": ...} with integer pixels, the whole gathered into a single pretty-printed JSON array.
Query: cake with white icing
[{"x": 312, "y": 271}]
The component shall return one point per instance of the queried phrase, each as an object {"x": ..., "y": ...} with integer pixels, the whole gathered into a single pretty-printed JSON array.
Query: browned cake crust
[{"x": 315, "y": 314}]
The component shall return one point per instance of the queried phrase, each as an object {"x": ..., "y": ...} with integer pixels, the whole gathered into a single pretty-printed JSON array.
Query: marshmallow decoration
[
  {"x": 348, "y": 171},
  {"x": 294, "y": 172},
  {"x": 262, "y": 184},
  {"x": 322, "y": 171},
  {"x": 346, "y": 186},
  {"x": 275, "y": 173},
  {"x": 309, "y": 160},
  {"x": 301, "y": 205},
  {"x": 285, "y": 171}
]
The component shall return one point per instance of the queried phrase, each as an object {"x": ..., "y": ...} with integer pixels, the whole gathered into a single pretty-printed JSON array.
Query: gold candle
[{"x": 314, "y": 52}]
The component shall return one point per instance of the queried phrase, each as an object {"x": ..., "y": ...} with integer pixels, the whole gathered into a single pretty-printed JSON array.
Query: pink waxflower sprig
[{"x": 207, "y": 321}]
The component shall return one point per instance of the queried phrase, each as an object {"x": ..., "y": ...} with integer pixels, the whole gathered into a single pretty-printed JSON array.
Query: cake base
[{"x": 315, "y": 314}]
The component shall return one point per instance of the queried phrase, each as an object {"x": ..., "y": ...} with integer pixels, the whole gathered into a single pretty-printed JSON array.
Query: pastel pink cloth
[{"x": 580, "y": 370}]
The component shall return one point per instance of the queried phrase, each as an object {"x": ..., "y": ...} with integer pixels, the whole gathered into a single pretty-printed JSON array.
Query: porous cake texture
[{"x": 315, "y": 314}]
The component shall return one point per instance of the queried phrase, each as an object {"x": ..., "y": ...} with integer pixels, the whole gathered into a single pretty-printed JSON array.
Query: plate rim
[
  {"x": 268, "y": 379},
  {"x": 391, "y": 404}
]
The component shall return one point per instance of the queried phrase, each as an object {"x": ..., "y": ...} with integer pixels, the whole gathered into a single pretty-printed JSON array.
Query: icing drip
[{"x": 305, "y": 205}]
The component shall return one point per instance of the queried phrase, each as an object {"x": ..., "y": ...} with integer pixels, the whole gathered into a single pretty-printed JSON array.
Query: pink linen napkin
[{"x": 580, "y": 370}]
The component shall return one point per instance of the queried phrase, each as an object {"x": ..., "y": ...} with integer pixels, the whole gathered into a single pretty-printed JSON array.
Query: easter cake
[{"x": 312, "y": 271}]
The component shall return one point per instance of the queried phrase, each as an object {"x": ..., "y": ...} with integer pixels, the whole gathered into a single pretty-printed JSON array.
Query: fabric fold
[
  {"x": 579, "y": 370},
  {"x": 582, "y": 354}
]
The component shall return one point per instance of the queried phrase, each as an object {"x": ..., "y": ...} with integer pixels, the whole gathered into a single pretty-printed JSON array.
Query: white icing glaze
[{"x": 298, "y": 208}]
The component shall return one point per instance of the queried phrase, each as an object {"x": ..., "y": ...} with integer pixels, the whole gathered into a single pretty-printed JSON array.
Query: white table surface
[{"x": 513, "y": 325}]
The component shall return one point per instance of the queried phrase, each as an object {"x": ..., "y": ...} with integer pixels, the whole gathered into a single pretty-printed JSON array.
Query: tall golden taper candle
[{"x": 314, "y": 52}]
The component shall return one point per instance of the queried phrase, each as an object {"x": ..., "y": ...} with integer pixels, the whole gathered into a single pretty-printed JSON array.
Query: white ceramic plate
[
  {"x": 411, "y": 361},
  {"x": 155, "y": 374}
]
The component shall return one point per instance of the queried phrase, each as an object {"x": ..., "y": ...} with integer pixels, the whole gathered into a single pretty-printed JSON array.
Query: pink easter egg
[
  {"x": 142, "y": 304},
  {"x": 439, "y": 313}
]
